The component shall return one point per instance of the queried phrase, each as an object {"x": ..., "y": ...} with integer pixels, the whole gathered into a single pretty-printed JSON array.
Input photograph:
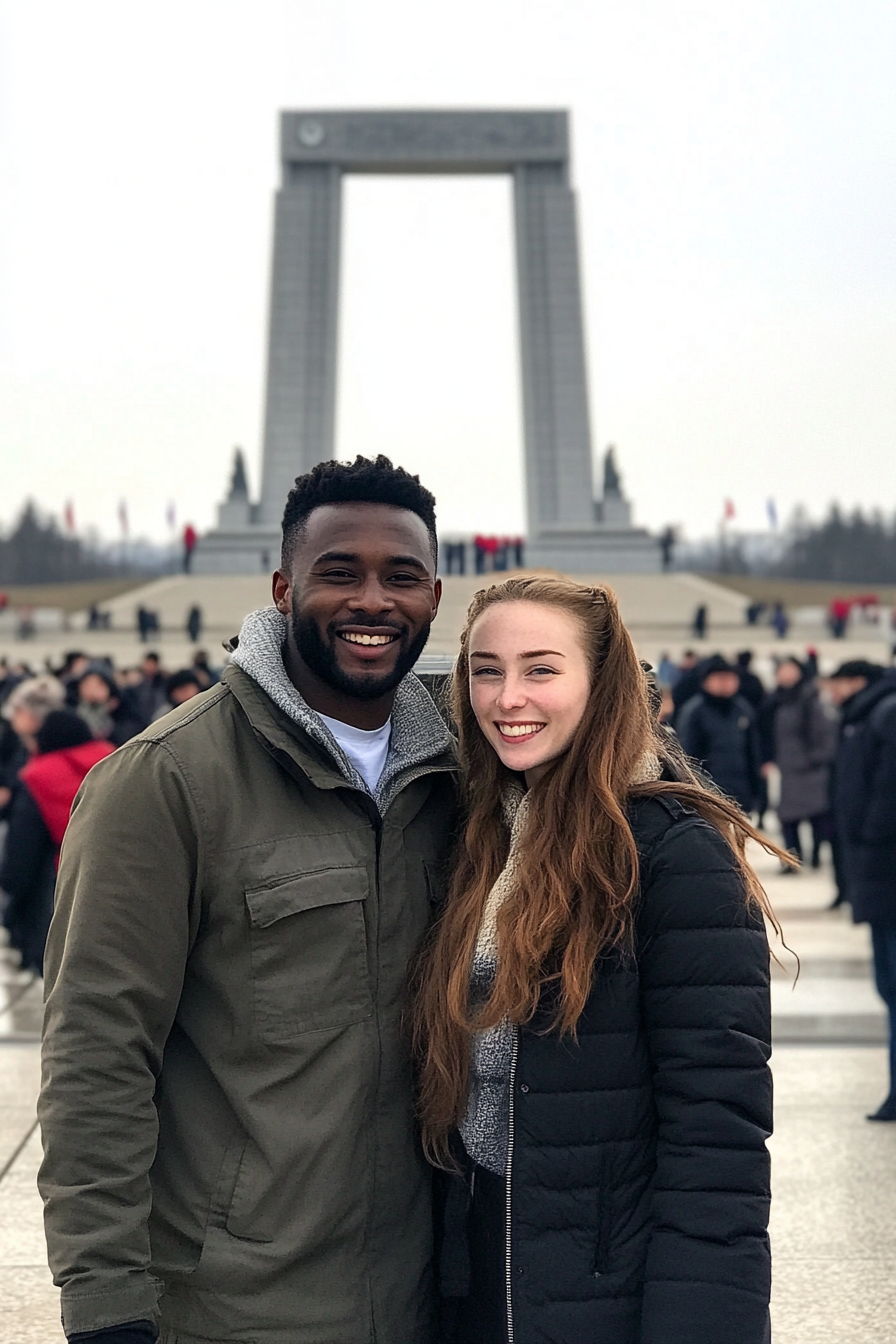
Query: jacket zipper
[{"x": 507, "y": 1258}]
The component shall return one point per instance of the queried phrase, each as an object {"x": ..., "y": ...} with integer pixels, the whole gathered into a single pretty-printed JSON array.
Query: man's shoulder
[{"x": 192, "y": 720}]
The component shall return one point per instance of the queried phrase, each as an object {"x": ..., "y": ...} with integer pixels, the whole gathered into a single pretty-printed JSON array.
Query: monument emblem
[{"x": 567, "y": 527}]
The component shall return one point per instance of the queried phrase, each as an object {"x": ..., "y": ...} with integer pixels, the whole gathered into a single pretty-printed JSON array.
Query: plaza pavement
[{"x": 834, "y": 1174}]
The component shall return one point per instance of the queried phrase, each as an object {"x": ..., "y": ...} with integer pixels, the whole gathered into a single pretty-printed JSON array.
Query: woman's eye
[
  {"x": 485, "y": 672},
  {"x": 543, "y": 671}
]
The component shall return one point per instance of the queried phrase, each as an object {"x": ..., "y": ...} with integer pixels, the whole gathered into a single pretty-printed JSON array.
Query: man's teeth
[
  {"x": 520, "y": 729},
  {"x": 369, "y": 639}
]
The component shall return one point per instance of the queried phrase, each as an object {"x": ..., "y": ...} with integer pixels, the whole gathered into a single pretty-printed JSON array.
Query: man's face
[
  {"x": 181, "y": 694},
  {"x": 150, "y": 668},
  {"x": 723, "y": 684},
  {"x": 360, "y": 596},
  {"x": 92, "y": 690},
  {"x": 841, "y": 689}
]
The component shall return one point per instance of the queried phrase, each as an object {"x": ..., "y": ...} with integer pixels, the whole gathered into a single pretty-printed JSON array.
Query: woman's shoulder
[{"x": 690, "y": 876}]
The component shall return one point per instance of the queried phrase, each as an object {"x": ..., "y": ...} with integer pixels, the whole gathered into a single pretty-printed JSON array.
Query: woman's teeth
[
  {"x": 519, "y": 729},
  {"x": 369, "y": 639}
]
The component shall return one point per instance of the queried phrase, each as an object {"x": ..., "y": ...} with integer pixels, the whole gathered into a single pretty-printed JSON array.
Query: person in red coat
[{"x": 66, "y": 750}]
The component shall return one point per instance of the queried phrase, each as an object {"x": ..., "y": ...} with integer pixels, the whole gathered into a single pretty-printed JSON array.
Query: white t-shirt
[{"x": 366, "y": 748}]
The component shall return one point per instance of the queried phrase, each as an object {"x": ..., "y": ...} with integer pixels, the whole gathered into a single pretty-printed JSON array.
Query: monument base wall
[
  {"x": 248, "y": 550},
  {"x": 597, "y": 550}
]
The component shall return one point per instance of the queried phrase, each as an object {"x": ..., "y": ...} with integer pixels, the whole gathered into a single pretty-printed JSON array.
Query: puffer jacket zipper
[{"x": 508, "y": 1269}]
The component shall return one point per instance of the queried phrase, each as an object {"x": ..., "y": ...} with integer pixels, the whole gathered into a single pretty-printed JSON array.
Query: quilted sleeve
[{"x": 704, "y": 970}]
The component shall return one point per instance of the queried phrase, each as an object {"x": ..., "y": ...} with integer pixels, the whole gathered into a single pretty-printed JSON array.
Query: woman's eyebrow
[
  {"x": 542, "y": 653},
  {"x": 480, "y": 653}
]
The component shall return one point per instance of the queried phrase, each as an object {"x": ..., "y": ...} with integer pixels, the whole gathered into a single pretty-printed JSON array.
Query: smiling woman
[{"x": 592, "y": 1014}]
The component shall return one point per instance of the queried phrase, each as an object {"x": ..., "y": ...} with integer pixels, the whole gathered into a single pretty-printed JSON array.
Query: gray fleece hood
[{"x": 418, "y": 729}]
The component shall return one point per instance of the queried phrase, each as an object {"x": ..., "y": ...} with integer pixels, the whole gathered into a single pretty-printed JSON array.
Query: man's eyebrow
[
  {"x": 352, "y": 558},
  {"x": 407, "y": 560},
  {"x": 329, "y": 556}
]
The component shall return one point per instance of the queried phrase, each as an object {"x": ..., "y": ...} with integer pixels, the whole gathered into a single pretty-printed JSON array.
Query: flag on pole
[
  {"x": 69, "y": 516},
  {"x": 729, "y": 510},
  {"x": 772, "y": 512},
  {"x": 171, "y": 515},
  {"x": 123, "y": 517}
]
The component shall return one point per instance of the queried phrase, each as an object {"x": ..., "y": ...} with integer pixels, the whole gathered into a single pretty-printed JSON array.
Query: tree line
[{"x": 36, "y": 551}]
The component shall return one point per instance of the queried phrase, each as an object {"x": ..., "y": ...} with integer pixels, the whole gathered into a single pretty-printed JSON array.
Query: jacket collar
[
  {"x": 275, "y": 708},
  {"x": 861, "y": 705}
]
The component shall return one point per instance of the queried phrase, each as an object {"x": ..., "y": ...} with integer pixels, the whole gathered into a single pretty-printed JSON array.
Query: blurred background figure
[
  {"x": 799, "y": 737},
  {"x": 718, "y": 728},
  {"x": 64, "y": 752},
  {"x": 180, "y": 687},
  {"x": 751, "y": 688},
  {"x": 149, "y": 693},
  {"x": 864, "y": 796},
  {"x": 24, "y": 711},
  {"x": 194, "y": 624},
  {"x": 700, "y": 628},
  {"x": 108, "y": 711},
  {"x": 687, "y": 683}
]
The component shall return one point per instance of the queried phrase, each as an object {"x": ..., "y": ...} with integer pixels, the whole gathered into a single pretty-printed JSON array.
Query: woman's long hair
[{"x": 577, "y": 875}]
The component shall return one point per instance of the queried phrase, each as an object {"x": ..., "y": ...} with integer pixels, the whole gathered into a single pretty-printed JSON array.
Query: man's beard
[{"x": 320, "y": 658}]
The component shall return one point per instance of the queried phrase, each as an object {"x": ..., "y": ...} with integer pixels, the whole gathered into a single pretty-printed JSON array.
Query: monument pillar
[
  {"x": 300, "y": 403},
  {"x": 556, "y": 429}
]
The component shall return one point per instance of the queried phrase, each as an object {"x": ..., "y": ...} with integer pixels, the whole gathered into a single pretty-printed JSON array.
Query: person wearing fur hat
[{"x": 718, "y": 728}]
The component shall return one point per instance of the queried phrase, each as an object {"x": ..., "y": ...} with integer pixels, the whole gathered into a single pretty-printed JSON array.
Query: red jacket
[{"x": 55, "y": 777}]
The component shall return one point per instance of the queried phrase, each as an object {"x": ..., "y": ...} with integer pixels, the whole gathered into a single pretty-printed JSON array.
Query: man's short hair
[
  {"x": 360, "y": 482},
  {"x": 858, "y": 667}
]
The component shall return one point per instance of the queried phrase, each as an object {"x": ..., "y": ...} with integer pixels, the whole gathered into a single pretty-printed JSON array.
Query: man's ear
[
  {"x": 281, "y": 585},
  {"x": 436, "y": 597}
]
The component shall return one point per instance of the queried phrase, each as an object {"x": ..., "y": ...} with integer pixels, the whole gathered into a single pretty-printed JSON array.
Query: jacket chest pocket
[{"x": 309, "y": 952}]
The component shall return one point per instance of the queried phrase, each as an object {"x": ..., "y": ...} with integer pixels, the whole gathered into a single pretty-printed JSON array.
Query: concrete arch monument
[{"x": 567, "y": 527}]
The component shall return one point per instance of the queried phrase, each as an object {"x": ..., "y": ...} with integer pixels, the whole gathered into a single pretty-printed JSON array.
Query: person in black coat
[
  {"x": 592, "y": 1015},
  {"x": 864, "y": 799},
  {"x": 719, "y": 729}
]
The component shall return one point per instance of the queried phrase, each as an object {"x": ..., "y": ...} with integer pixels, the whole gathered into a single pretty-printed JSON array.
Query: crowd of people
[
  {"x": 832, "y": 743},
  {"x": 54, "y": 726},
  {"x": 308, "y": 940}
]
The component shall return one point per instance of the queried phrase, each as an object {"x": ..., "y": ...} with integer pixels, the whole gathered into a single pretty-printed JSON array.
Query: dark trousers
[
  {"x": 482, "y": 1317},
  {"x": 883, "y": 943},
  {"x": 821, "y": 830}
]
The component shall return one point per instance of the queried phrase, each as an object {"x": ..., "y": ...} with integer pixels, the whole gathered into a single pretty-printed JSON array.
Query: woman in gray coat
[{"x": 801, "y": 740}]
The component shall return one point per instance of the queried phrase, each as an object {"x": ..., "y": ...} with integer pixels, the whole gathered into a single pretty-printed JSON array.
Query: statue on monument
[
  {"x": 612, "y": 479},
  {"x": 239, "y": 485}
]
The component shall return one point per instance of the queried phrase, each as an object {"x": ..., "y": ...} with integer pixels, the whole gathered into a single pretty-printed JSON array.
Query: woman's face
[{"x": 529, "y": 682}]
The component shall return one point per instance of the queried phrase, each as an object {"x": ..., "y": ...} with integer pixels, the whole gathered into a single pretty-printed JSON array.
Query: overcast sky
[{"x": 735, "y": 170}]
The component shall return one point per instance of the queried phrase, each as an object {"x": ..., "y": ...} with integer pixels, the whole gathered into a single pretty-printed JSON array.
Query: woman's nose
[{"x": 512, "y": 694}]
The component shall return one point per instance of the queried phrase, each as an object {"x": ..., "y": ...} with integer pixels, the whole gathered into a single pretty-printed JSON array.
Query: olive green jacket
[{"x": 227, "y": 1102}]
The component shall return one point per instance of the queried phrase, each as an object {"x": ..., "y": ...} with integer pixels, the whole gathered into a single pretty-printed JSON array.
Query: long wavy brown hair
[{"x": 573, "y": 899}]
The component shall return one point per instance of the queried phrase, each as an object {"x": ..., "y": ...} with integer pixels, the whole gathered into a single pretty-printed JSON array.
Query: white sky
[{"x": 735, "y": 170}]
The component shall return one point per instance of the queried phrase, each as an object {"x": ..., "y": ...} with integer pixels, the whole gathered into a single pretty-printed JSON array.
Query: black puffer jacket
[
  {"x": 639, "y": 1177},
  {"x": 864, "y": 794},
  {"x": 722, "y": 734}
]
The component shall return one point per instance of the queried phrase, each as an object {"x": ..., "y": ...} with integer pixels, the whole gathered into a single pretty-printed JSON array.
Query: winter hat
[
  {"x": 716, "y": 664},
  {"x": 859, "y": 667},
  {"x": 62, "y": 729}
]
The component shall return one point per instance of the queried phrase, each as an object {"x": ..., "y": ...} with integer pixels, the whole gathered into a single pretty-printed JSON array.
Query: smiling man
[{"x": 227, "y": 1109}]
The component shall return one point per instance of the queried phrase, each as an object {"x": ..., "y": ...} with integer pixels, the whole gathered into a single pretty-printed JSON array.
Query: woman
[
  {"x": 592, "y": 1013},
  {"x": 801, "y": 740}
]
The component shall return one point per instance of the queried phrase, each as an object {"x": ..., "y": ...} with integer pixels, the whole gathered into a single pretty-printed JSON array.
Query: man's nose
[{"x": 372, "y": 596}]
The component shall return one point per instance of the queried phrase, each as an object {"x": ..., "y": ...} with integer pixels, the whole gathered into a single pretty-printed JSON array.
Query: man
[
  {"x": 864, "y": 800},
  {"x": 149, "y": 694},
  {"x": 227, "y": 1108},
  {"x": 179, "y": 688},
  {"x": 718, "y": 728}
]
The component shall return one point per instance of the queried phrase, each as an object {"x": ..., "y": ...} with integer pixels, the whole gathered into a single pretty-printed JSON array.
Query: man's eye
[{"x": 337, "y": 574}]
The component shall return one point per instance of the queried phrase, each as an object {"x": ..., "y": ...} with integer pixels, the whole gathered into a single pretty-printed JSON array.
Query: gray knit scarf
[{"x": 418, "y": 729}]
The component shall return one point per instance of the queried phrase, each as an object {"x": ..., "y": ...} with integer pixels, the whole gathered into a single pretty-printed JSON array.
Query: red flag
[
  {"x": 729, "y": 509},
  {"x": 69, "y": 516}
]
